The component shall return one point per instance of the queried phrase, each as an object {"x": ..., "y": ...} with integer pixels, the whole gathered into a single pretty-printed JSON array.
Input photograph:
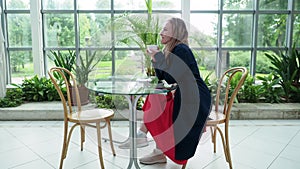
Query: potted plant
[
  {"x": 84, "y": 66},
  {"x": 143, "y": 31},
  {"x": 65, "y": 60}
]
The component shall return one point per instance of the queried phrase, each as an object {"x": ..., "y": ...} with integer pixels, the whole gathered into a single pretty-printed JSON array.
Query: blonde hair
[{"x": 180, "y": 35}]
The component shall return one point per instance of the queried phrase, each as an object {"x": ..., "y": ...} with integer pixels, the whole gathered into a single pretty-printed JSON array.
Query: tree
[{"x": 19, "y": 35}]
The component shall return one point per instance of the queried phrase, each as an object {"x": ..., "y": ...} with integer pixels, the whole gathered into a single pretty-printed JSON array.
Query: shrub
[
  {"x": 271, "y": 91},
  {"x": 38, "y": 89},
  {"x": 115, "y": 102},
  {"x": 13, "y": 98}
]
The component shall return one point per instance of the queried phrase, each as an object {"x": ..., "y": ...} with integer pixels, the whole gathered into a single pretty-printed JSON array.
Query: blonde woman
[{"x": 177, "y": 120}]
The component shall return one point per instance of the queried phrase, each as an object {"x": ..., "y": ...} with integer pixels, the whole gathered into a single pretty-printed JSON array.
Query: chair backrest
[
  {"x": 58, "y": 76},
  {"x": 223, "y": 89}
]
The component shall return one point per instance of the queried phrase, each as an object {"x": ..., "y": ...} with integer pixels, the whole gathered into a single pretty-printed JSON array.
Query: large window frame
[{"x": 39, "y": 50}]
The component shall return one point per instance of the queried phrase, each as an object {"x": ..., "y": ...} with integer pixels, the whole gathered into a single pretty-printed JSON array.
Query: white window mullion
[
  {"x": 37, "y": 42},
  {"x": 185, "y": 7}
]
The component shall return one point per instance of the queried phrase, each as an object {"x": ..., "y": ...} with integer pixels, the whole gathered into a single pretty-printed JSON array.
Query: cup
[{"x": 149, "y": 47}]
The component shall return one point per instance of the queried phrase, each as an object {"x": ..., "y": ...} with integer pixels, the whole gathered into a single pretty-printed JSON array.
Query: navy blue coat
[{"x": 192, "y": 101}]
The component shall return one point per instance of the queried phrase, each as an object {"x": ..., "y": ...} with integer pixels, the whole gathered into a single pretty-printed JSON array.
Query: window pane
[
  {"x": 59, "y": 30},
  {"x": 95, "y": 61},
  {"x": 297, "y": 5},
  {"x": 296, "y": 33},
  {"x": 94, "y": 4},
  {"x": 130, "y": 5},
  {"x": 236, "y": 59},
  {"x": 204, "y": 4},
  {"x": 206, "y": 60},
  {"x": 263, "y": 63},
  {"x": 58, "y": 4},
  {"x": 204, "y": 32},
  {"x": 21, "y": 65},
  {"x": 273, "y": 5},
  {"x": 238, "y": 4},
  {"x": 129, "y": 63},
  {"x": 166, "y": 4},
  {"x": 96, "y": 28},
  {"x": 104, "y": 68},
  {"x": 237, "y": 30},
  {"x": 141, "y": 5},
  {"x": 128, "y": 28},
  {"x": 19, "y": 30},
  {"x": 18, "y": 4},
  {"x": 135, "y": 26},
  {"x": 271, "y": 30}
]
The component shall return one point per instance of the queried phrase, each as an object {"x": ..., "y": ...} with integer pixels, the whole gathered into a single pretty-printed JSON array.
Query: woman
[{"x": 175, "y": 121}]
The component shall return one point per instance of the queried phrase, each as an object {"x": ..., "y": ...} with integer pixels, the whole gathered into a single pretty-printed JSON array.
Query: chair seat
[
  {"x": 91, "y": 115},
  {"x": 215, "y": 118}
]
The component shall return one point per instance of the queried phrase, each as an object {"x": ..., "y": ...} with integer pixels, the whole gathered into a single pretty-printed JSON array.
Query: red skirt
[{"x": 158, "y": 113}]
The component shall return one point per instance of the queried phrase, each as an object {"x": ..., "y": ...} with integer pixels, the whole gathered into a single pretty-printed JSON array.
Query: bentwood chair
[
  {"x": 78, "y": 117},
  {"x": 225, "y": 98}
]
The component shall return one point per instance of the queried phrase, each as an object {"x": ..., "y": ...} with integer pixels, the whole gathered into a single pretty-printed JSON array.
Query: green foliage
[
  {"x": 111, "y": 102},
  {"x": 86, "y": 65},
  {"x": 286, "y": 67},
  {"x": 262, "y": 64},
  {"x": 271, "y": 92},
  {"x": 13, "y": 98},
  {"x": 143, "y": 31},
  {"x": 211, "y": 82},
  {"x": 249, "y": 93},
  {"x": 115, "y": 102},
  {"x": 65, "y": 60},
  {"x": 234, "y": 82},
  {"x": 239, "y": 59},
  {"x": 38, "y": 89}
]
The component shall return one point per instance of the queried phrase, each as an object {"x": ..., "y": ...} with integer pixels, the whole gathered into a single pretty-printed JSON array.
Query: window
[
  {"x": 19, "y": 41},
  {"x": 246, "y": 30}
]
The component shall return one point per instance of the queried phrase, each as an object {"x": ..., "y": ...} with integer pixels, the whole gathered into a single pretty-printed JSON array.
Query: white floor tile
[
  {"x": 17, "y": 157},
  {"x": 291, "y": 152},
  {"x": 35, "y": 165},
  {"x": 281, "y": 163},
  {"x": 255, "y": 144}
]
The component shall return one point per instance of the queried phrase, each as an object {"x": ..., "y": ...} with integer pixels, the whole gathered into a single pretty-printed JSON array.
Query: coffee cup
[{"x": 150, "y": 47}]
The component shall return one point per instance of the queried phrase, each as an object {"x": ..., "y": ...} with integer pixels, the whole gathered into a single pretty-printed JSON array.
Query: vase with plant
[
  {"x": 85, "y": 65},
  {"x": 143, "y": 31},
  {"x": 66, "y": 60},
  {"x": 82, "y": 65}
]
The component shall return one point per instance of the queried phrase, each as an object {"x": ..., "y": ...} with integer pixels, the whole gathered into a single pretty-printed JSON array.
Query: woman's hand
[{"x": 152, "y": 51}]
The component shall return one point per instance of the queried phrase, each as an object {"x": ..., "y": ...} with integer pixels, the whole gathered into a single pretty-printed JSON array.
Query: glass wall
[
  {"x": 19, "y": 41},
  {"x": 223, "y": 33}
]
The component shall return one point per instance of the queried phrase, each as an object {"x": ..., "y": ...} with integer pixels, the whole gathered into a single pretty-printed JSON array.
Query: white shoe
[
  {"x": 157, "y": 156},
  {"x": 140, "y": 142}
]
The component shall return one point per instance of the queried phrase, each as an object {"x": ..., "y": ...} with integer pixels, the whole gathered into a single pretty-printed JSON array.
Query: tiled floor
[{"x": 255, "y": 144}]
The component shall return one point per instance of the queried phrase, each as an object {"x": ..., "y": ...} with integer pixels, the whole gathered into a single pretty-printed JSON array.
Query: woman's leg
[
  {"x": 141, "y": 138},
  {"x": 143, "y": 129}
]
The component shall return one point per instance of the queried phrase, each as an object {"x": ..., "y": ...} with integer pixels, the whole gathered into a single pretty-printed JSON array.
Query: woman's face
[{"x": 166, "y": 33}]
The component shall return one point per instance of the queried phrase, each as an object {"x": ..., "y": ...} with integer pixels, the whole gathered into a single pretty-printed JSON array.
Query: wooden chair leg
[
  {"x": 228, "y": 147},
  {"x": 82, "y": 134},
  {"x": 99, "y": 145},
  {"x": 110, "y": 137},
  {"x": 63, "y": 153},
  {"x": 183, "y": 166},
  {"x": 229, "y": 156},
  {"x": 64, "y": 147},
  {"x": 215, "y": 139}
]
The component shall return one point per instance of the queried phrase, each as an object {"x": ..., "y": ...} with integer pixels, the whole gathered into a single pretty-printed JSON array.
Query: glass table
[{"x": 132, "y": 90}]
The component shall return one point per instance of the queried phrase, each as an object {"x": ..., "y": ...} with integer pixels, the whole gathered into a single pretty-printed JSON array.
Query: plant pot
[
  {"x": 150, "y": 71},
  {"x": 83, "y": 93}
]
